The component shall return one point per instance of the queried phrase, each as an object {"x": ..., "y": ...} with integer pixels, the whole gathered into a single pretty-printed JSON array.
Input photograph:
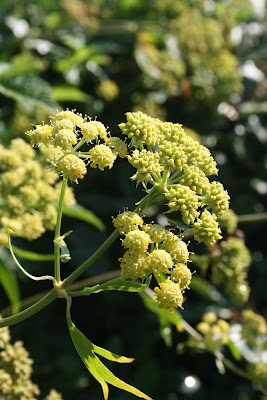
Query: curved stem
[{"x": 57, "y": 230}]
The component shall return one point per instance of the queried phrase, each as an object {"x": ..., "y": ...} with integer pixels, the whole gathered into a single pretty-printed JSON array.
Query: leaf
[
  {"x": 29, "y": 91},
  {"x": 119, "y": 284},
  {"x": 101, "y": 373},
  {"x": 30, "y": 255},
  {"x": 173, "y": 317},
  {"x": 123, "y": 285},
  {"x": 69, "y": 93},
  {"x": 79, "y": 212},
  {"x": 111, "y": 356},
  {"x": 234, "y": 350},
  {"x": 8, "y": 280}
]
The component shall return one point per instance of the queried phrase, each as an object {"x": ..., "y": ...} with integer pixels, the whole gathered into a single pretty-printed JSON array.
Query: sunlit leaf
[
  {"x": 111, "y": 356},
  {"x": 234, "y": 350},
  {"x": 69, "y": 93},
  {"x": 100, "y": 372},
  {"x": 79, "y": 212}
]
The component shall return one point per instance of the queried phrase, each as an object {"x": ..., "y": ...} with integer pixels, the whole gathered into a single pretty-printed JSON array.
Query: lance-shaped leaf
[
  {"x": 100, "y": 372},
  {"x": 8, "y": 280},
  {"x": 119, "y": 284}
]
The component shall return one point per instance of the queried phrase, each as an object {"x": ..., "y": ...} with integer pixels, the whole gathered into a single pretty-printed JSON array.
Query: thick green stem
[
  {"x": 35, "y": 308},
  {"x": 57, "y": 230}
]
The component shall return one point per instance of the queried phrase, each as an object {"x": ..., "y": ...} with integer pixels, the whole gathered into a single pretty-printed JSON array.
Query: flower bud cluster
[
  {"x": 258, "y": 373},
  {"x": 151, "y": 249},
  {"x": 29, "y": 192},
  {"x": 228, "y": 221},
  {"x": 254, "y": 328},
  {"x": 214, "y": 332},
  {"x": 178, "y": 167},
  {"x": 69, "y": 131},
  {"x": 16, "y": 370},
  {"x": 229, "y": 262}
]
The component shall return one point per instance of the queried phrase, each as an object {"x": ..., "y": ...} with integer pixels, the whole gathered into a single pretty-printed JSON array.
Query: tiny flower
[
  {"x": 228, "y": 221},
  {"x": 134, "y": 265},
  {"x": 63, "y": 124},
  {"x": 196, "y": 180},
  {"x": 101, "y": 157},
  {"x": 171, "y": 156},
  {"x": 117, "y": 146},
  {"x": 218, "y": 198},
  {"x": 178, "y": 249},
  {"x": 182, "y": 275},
  {"x": 76, "y": 119},
  {"x": 136, "y": 241},
  {"x": 65, "y": 138},
  {"x": 169, "y": 295},
  {"x": 127, "y": 221},
  {"x": 71, "y": 167},
  {"x": 89, "y": 131},
  {"x": 157, "y": 233},
  {"x": 42, "y": 134},
  {"x": 159, "y": 261},
  {"x": 146, "y": 162}
]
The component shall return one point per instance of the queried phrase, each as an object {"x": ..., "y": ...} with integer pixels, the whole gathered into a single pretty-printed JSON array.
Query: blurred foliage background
[{"x": 201, "y": 63}]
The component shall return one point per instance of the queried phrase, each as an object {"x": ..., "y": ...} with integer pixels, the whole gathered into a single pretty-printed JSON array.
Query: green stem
[
  {"x": 252, "y": 217},
  {"x": 35, "y": 308},
  {"x": 30, "y": 255},
  {"x": 78, "y": 145},
  {"x": 231, "y": 366},
  {"x": 57, "y": 230}
]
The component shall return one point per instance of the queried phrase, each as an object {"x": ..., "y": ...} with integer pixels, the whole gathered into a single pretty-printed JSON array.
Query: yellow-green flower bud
[
  {"x": 228, "y": 221},
  {"x": 76, "y": 119},
  {"x": 117, "y": 146},
  {"x": 217, "y": 199},
  {"x": 200, "y": 155},
  {"x": 169, "y": 295},
  {"x": 127, "y": 221},
  {"x": 196, "y": 180},
  {"x": 71, "y": 167},
  {"x": 101, "y": 157},
  {"x": 63, "y": 124},
  {"x": 146, "y": 162},
  {"x": 209, "y": 317},
  {"x": 182, "y": 275},
  {"x": 141, "y": 129},
  {"x": 185, "y": 200},
  {"x": 157, "y": 233},
  {"x": 159, "y": 261},
  {"x": 173, "y": 133},
  {"x": 206, "y": 229},
  {"x": 65, "y": 138},
  {"x": 136, "y": 241},
  {"x": 171, "y": 156}
]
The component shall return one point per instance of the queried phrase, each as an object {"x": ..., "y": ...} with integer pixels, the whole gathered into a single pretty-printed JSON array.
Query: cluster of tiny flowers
[
  {"x": 214, "y": 332},
  {"x": 229, "y": 262},
  {"x": 29, "y": 192},
  {"x": 178, "y": 167},
  {"x": 16, "y": 371},
  {"x": 151, "y": 249},
  {"x": 66, "y": 134},
  {"x": 258, "y": 373},
  {"x": 254, "y": 329},
  {"x": 228, "y": 221}
]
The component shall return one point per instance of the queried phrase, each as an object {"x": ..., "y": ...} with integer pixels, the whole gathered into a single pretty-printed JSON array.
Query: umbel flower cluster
[
  {"x": 67, "y": 133},
  {"x": 214, "y": 331},
  {"x": 229, "y": 262},
  {"x": 254, "y": 329},
  {"x": 29, "y": 192},
  {"x": 16, "y": 371},
  {"x": 178, "y": 168},
  {"x": 151, "y": 249}
]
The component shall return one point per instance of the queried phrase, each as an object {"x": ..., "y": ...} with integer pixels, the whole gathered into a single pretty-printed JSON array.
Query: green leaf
[
  {"x": 69, "y": 93},
  {"x": 8, "y": 280},
  {"x": 172, "y": 317},
  {"x": 111, "y": 356},
  {"x": 234, "y": 350},
  {"x": 30, "y": 255},
  {"x": 114, "y": 284},
  {"x": 101, "y": 373},
  {"x": 29, "y": 91},
  {"x": 79, "y": 212}
]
